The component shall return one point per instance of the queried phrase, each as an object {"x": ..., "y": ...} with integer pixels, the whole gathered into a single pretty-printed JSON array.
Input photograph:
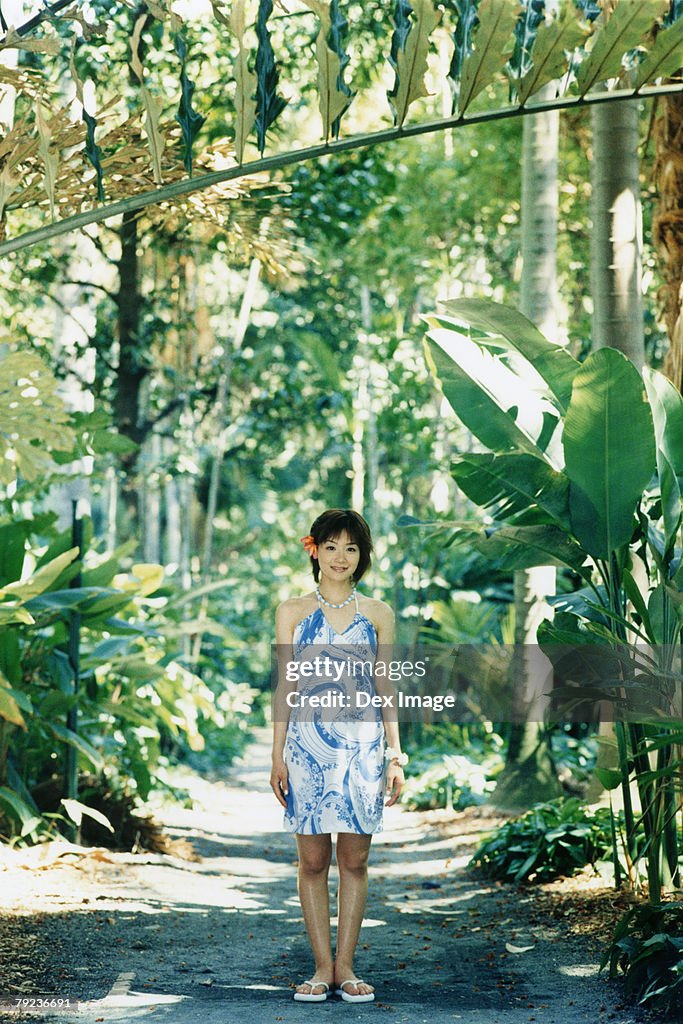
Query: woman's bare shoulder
[
  {"x": 294, "y": 606},
  {"x": 378, "y": 611}
]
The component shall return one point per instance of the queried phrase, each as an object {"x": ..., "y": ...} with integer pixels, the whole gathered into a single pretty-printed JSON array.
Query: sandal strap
[
  {"x": 352, "y": 981},
  {"x": 313, "y": 984}
]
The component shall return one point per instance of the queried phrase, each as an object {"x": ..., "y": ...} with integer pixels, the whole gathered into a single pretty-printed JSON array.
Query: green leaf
[
  {"x": 189, "y": 120},
  {"x": 73, "y": 739},
  {"x": 42, "y": 579},
  {"x": 667, "y": 412},
  {"x": 334, "y": 95},
  {"x": 609, "y": 449},
  {"x": 527, "y": 546},
  {"x": 492, "y": 47},
  {"x": 9, "y": 709},
  {"x": 664, "y": 57},
  {"x": 153, "y": 104},
  {"x": 17, "y": 809},
  {"x": 463, "y": 37},
  {"x": 514, "y": 483},
  {"x": 33, "y": 418},
  {"x": 268, "y": 104},
  {"x": 554, "y": 39},
  {"x": 47, "y": 155},
  {"x": 91, "y": 149},
  {"x": 623, "y": 30},
  {"x": 479, "y": 389},
  {"x": 526, "y": 30},
  {"x": 245, "y": 79},
  {"x": 12, "y": 614},
  {"x": 409, "y": 53},
  {"x": 552, "y": 361}
]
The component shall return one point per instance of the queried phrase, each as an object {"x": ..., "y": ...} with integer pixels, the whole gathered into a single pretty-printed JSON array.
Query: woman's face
[{"x": 338, "y": 557}]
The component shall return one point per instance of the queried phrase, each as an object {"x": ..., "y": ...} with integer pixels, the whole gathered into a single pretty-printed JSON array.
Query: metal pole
[{"x": 71, "y": 761}]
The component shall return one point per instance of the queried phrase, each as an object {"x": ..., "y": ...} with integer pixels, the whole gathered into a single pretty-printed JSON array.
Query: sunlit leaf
[
  {"x": 33, "y": 420},
  {"x": 13, "y": 41},
  {"x": 491, "y": 49},
  {"x": 153, "y": 104},
  {"x": 334, "y": 95},
  {"x": 525, "y": 35},
  {"x": 245, "y": 79},
  {"x": 91, "y": 149},
  {"x": 554, "y": 40},
  {"x": 9, "y": 709},
  {"x": 665, "y": 56},
  {"x": 463, "y": 37},
  {"x": 614, "y": 36},
  {"x": 409, "y": 52},
  {"x": 667, "y": 411},
  {"x": 75, "y": 809},
  {"x": 48, "y": 156},
  {"x": 41, "y": 579}
]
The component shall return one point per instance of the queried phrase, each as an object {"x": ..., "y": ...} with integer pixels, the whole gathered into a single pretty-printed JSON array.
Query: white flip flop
[
  {"x": 311, "y": 997},
  {"x": 361, "y": 997}
]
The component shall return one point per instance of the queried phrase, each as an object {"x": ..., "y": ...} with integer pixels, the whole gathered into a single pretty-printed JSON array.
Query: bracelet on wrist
[{"x": 394, "y": 755}]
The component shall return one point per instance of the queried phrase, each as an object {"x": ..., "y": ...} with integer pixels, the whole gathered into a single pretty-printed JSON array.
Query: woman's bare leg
[
  {"x": 352, "y": 861},
  {"x": 315, "y": 856}
]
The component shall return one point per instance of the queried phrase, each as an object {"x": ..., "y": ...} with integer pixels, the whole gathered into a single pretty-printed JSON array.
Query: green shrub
[
  {"x": 647, "y": 948},
  {"x": 551, "y": 839},
  {"x": 453, "y": 781}
]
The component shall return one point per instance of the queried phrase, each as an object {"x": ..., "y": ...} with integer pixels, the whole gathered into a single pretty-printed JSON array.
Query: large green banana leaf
[
  {"x": 522, "y": 547},
  {"x": 514, "y": 483},
  {"x": 609, "y": 447},
  {"x": 667, "y": 410},
  {"x": 553, "y": 362},
  {"x": 488, "y": 397}
]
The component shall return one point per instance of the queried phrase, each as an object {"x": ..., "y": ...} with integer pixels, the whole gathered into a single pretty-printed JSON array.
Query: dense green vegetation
[{"x": 184, "y": 388}]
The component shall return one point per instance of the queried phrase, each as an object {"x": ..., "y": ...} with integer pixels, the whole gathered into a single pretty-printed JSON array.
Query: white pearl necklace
[{"x": 329, "y": 604}]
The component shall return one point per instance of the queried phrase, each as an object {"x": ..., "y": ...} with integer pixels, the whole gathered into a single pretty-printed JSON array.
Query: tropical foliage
[
  {"x": 582, "y": 471},
  {"x": 556, "y": 838},
  {"x": 90, "y": 644},
  {"x": 117, "y": 156}
]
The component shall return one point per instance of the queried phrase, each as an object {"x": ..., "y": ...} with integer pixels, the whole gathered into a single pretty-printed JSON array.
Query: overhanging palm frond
[{"x": 575, "y": 47}]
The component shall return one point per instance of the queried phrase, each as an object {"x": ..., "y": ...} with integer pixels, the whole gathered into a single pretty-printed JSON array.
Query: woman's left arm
[{"x": 395, "y": 778}]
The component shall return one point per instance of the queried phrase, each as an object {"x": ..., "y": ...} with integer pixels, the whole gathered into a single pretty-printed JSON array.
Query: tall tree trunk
[
  {"x": 131, "y": 371},
  {"x": 529, "y": 775},
  {"x": 616, "y": 243},
  {"x": 616, "y": 275},
  {"x": 667, "y": 228}
]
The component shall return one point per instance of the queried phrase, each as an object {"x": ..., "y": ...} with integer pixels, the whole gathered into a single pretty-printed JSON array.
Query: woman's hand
[
  {"x": 395, "y": 782},
  {"x": 279, "y": 780}
]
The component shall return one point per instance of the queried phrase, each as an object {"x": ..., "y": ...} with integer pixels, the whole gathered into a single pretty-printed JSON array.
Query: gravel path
[{"x": 156, "y": 938}]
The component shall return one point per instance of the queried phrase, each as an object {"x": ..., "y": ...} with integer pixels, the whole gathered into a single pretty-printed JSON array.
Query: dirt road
[{"x": 156, "y": 938}]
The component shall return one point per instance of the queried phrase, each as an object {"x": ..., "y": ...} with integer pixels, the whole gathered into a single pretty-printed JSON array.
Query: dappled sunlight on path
[{"x": 221, "y": 938}]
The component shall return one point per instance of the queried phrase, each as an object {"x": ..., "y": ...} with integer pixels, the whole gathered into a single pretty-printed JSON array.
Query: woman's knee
[
  {"x": 315, "y": 857},
  {"x": 352, "y": 856}
]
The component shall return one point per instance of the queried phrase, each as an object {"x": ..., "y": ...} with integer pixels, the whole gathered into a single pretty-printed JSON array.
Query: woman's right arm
[{"x": 284, "y": 632}]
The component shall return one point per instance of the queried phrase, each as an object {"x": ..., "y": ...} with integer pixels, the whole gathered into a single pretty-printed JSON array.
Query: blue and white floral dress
[{"x": 335, "y": 758}]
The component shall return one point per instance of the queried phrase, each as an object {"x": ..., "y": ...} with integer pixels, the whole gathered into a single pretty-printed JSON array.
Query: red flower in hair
[{"x": 310, "y": 545}]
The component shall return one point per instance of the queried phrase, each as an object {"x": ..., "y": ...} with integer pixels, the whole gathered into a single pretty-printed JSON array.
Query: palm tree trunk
[
  {"x": 616, "y": 249},
  {"x": 529, "y": 775}
]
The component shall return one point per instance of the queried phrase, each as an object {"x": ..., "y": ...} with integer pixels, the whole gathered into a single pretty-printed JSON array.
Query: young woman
[{"x": 331, "y": 769}]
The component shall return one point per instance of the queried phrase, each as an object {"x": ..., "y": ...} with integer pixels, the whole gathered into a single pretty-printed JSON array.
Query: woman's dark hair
[{"x": 335, "y": 521}]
